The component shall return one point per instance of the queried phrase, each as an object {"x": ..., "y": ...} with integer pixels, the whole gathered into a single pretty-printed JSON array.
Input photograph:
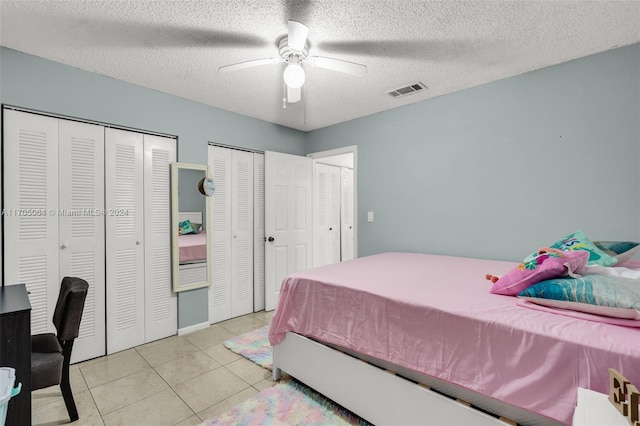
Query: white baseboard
[{"x": 192, "y": 328}]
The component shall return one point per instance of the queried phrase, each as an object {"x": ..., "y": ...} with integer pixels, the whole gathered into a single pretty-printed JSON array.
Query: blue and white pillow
[{"x": 594, "y": 294}]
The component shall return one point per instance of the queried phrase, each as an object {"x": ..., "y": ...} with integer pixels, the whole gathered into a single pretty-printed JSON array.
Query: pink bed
[
  {"x": 434, "y": 315},
  {"x": 192, "y": 247}
]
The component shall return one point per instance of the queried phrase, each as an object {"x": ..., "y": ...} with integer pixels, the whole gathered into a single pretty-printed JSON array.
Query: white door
[
  {"x": 220, "y": 227},
  {"x": 326, "y": 214},
  {"x": 81, "y": 222},
  {"x": 124, "y": 239},
  {"x": 161, "y": 303},
  {"x": 31, "y": 250},
  {"x": 258, "y": 232},
  {"x": 242, "y": 233},
  {"x": 320, "y": 217},
  {"x": 288, "y": 220},
  {"x": 347, "y": 219},
  {"x": 333, "y": 214}
]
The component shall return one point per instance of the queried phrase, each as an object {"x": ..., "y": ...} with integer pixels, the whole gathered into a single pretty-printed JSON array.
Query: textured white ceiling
[{"x": 177, "y": 46}]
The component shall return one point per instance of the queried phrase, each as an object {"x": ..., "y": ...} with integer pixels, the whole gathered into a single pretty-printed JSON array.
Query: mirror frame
[{"x": 175, "y": 252}]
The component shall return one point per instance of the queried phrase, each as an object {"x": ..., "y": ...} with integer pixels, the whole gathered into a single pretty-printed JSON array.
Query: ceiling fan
[{"x": 293, "y": 49}]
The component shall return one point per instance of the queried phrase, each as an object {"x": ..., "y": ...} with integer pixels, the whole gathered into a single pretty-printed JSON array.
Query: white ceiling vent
[{"x": 407, "y": 90}]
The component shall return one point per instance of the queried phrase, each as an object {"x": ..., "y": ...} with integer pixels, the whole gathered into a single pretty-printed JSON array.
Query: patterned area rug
[
  {"x": 254, "y": 346},
  {"x": 287, "y": 403}
]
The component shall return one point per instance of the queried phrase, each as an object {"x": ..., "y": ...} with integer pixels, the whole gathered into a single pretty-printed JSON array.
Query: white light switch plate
[{"x": 370, "y": 217}]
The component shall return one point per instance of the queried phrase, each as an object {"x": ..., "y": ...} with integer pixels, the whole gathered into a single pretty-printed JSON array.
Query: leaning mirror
[{"x": 190, "y": 239}]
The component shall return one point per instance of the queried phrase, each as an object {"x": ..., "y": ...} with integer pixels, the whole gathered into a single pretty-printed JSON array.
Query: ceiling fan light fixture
[{"x": 294, "y": 76}]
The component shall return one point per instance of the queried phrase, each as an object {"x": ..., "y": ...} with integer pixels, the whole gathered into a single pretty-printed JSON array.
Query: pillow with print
[
  {"x": 185, "y": 227},
  {"x": 593, "y": 294},
  {"x": 579, "y": 241},
  {"x": 544, "y": 265}
]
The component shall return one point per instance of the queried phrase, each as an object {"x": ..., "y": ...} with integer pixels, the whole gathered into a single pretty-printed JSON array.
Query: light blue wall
[
  {"x": 30, "y": 82},
  {"x": 498, "y": 170},
  {"x": 493, "y": 171}
]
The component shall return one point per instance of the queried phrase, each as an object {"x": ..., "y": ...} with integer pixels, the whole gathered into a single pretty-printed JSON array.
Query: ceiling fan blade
[
  {"x": 339, "y": 65},
  {"x": 294, "y": 95},
  {"x": 297, "y": 35},
  {"x": 248, "y": 64}
]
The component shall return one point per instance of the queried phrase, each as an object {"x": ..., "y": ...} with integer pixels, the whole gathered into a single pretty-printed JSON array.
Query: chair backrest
[{"x": 68, "y": 313}]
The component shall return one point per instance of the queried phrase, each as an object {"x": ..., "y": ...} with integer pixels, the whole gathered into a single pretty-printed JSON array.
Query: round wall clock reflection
[{"x": 206, "y": 186}]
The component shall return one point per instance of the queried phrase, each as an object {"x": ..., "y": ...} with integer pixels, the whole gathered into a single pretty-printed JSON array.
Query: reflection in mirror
[{"x": 189, "y": 220}]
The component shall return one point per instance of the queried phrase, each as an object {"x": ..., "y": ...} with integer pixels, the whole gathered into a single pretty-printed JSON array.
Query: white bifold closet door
[
  {"x": 232, "y": 223},
  {"x": 258, "y": 232},
  {"x": 31, "y": 251},
  {"x": 242, "y": 233},
  {"x": 124, "y": 156},
  {"x": 220, "y": 226},
  {"x": 54, "y": 226},
  {"x": 140, "y": 304},
  {"x": 347, "y": 215},
  {"x": 161, "y": 303},
  {"x": 82, "y": 250},
  {"x": 326, "y": 214}
]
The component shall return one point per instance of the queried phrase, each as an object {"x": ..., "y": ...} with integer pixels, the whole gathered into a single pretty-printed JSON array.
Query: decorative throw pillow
[
  {"x": 543, "y": 266},
  {"x": 579, "y": 241},
  {"x": 595, "y": 294},
  {"x": 185, "y": 227},
  {"x": 621, "y": 250},
  {"x": 196, "y": 227}
]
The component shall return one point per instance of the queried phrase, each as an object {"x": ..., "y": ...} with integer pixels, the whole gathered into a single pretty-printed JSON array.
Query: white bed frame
[{"x": 376, "y": 394}]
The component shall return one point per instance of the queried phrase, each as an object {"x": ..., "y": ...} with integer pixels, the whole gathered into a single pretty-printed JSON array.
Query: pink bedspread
[
  {"x": 192, "y": 247},
  {"x": 434, "y": 314}
]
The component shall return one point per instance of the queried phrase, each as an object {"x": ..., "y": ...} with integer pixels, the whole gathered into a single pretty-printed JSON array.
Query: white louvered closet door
[
  {"x": 258, "y": 232},
  {"x": 124, "y": 239},
  {"x": 242, "y": 233},
  {"x": 220, "y": 226},
  {"x": 161, "y": 303},
  {"x": 81, "y": 224},
  {"x": 30, "y": 146},
  {"x": 347, "y": 219}
]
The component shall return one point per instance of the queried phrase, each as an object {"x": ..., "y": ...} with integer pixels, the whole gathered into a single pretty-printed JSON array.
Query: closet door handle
[
  {"x": 138, "y": 242},
  {"x": 271, "y": 239},
  {"x": 64, "y": 246}
]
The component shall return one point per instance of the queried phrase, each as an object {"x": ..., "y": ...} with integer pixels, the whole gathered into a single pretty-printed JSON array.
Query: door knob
[
  {"x": 138, "y": 242},
  {"x": 63, "y": 246},
  {"x": 330, "y": 229},
  {"x": 271, "y": 239}
]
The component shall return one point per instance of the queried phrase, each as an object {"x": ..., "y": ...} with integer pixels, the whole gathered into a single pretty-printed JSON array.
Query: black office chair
[{"x": 51, "y": 353}]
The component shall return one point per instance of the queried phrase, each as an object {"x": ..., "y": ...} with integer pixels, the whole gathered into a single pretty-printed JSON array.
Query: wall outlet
[{"x": 369, "y": 216}]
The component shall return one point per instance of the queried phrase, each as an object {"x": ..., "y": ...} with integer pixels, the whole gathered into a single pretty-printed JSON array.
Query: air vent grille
[{"x": 407, "y": 90}]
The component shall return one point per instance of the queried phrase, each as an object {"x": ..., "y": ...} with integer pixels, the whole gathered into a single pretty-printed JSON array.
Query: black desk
[{"x": 15, "y": 348}]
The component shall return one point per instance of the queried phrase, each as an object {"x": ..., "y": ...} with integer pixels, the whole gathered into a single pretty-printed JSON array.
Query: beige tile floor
[{"x": 180, "y": 380}]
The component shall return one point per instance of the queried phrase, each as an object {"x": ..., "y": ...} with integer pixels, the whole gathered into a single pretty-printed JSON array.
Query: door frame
[{"x": 353, "y": 149}]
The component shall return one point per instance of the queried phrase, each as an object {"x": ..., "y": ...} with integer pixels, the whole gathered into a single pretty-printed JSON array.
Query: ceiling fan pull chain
[{"x": 284, "y": 96}]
